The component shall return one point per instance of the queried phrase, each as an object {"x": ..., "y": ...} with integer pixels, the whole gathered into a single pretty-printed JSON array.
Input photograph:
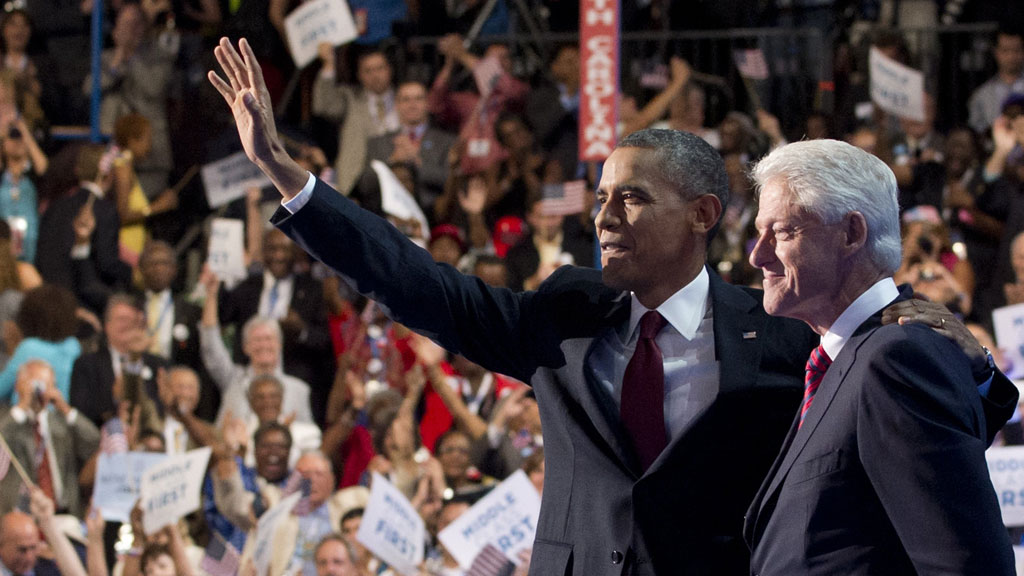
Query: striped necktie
[{"x": 817, "y": 364}]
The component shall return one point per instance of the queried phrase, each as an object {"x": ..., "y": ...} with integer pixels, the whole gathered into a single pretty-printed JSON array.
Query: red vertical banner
[{"x": 599, "y": 78}]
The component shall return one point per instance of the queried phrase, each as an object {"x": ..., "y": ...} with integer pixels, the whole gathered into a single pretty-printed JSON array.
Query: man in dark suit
[
  {"x": 883, "y": 470},
  {"x": 54, "y": 251},
  {"x": 416, "y": 143},
  {"x": 93, "y": 391},
  {"x": 296, "y": 301},
  {"x": 662, "y": 495},
  {"x": 172, "y": 322}
]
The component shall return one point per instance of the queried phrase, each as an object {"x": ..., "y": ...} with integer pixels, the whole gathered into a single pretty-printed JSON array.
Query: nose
[
  {"x": 762, "y": 252},
  {"x": 606, "y": 218}
]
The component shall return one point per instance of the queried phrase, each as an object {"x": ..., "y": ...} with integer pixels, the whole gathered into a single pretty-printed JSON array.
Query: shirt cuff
[
  {"x": 300, "y": 199},
  {"x": 983, "y": 388}
]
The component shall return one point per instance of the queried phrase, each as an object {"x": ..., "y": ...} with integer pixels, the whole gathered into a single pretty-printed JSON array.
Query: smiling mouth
[{"x": 611, "y": 248}]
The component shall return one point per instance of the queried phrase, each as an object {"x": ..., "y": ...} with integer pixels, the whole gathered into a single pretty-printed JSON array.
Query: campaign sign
[
  {"x": 599, "y": 78},
  {"x": 396, "y": 200},
  {"x": 226, "y": 256},
  {"x": 265, "y": 528},
  {"x": 1008, "y": 322},
  {"x": 391, "y": 527},
  {"x": 228, "y": 178},
  {"x": 117, "y": 482},
  {"x": 896, "y": 88},
  {"x": 171, "y": 488},
  {"x": 506, "y": 518},
  {"x": 1006, "y": 468},
  {"x": 316, "y": 22}
]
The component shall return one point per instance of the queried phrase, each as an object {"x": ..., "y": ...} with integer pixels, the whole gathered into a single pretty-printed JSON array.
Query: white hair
[
  {"x": 831, "y": 179},
  {"x": 257, "y": 321}
]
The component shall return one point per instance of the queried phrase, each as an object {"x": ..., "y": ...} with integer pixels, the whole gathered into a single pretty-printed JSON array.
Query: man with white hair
[
  {"x": 261, "y": 342},
  {"x": 883, "y": 470}
]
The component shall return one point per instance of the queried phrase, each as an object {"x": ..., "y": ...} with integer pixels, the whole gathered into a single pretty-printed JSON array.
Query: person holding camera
[
  {"x": 48, "y": 437},
  {"x": 930, "y": 264}
]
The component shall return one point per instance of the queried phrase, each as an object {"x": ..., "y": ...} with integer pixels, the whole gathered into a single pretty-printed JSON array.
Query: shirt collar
[
  {"x": 872, "y": 300},
  {"x": 684, "y": 310}
]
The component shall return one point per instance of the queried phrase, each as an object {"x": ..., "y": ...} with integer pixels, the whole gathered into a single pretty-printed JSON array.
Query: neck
[
  {"x": 835, "y": 304},
  {"x": 1009, "y": 76}
]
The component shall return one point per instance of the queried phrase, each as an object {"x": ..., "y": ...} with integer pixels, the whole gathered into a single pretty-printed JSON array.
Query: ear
[
  {"x": 706, "y": 211},
  {"x": 855, "y": 227}
]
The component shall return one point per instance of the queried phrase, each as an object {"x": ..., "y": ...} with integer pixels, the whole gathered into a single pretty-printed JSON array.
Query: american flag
[
  {"x": 112, "y": 437},
  {"x": 296, "y": 483},
  {"x": 751, "y": 63},
  {"x": 486, "y": 73},
  {"x": 562, "y": 199},
  {"x": 221, "y": 558},
  {"x": 491, "y": 562}
]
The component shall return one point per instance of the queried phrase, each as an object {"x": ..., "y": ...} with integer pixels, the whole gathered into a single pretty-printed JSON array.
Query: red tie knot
[
  {"x": 651, "y": 323},
  {"x": 819, "y": 360}
]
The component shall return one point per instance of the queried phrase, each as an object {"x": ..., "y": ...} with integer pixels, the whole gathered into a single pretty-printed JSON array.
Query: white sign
[
  {"x": 117, "y": 482},
  {"x": 228, "y": 178},
  {"x": 226, "y": 256},
  {"x": 1006, "y": 468},
  {"x": 316, "y": 22},
  {"x": 391, "y": 527},
  {"x": 506, "y": 518},
  {"x": 395, "y": 200},
  {"x": 171, "y": 488},
  {"x": 265, "y": 528},
  {"x": 896, "y": 88},
  {"x": 1008, "y": 322}
]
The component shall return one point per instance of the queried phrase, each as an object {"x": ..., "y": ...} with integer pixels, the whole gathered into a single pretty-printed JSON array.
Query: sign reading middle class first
[
  {"x": 506, "y": 518},
  {"x": 171, "y": 488},
  {"x": 1006, "y": 468},
  {"x": 392, "y": 528},
  {"x": 316, "y": 22}
]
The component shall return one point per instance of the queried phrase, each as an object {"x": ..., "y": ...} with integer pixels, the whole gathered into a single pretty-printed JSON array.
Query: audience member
[
  {"x": 120, "y": 369},
  {"x": 416, "y": 143},
  {"x": 261, "y": 343},
  {"x": 361, "y": 112},
  {"x": 986, "y": 102},
  {"x": 50, "y": 439},
  {"x": 295, "y": 300},
  {"x": 44, "y": 329},
  {"x": 87, "y": 209}
]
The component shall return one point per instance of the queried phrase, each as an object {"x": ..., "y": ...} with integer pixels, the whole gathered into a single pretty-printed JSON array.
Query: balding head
[{"x": 19, "y": 539}]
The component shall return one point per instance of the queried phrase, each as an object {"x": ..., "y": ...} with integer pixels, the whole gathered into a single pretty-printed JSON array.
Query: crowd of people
[{"x": 110, "y": 327}]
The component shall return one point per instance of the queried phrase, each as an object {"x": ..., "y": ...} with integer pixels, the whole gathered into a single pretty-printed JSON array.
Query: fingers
[
  {"x": 232, "y": 64},
  {"x": 255, "y": 76}
]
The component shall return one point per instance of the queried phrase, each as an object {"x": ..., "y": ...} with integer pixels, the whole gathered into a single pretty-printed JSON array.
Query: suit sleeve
[
  {"x": 496, "y": 328},
  {"x": 920, "y": 434},
  {"x": 998, "y": 404}
]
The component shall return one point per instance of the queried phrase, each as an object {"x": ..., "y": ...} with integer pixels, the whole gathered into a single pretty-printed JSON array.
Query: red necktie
[
  {"x": 43, "y": 477},
  {"x": 643, "y": 393},
  {"x": 817, "y": 364}
]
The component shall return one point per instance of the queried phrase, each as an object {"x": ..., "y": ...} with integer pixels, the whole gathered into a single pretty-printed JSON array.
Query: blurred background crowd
[{"x": 113, "y": 328}]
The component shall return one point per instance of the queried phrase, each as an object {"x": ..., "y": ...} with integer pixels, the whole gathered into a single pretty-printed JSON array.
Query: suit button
[{"x": 616, "y": 557}]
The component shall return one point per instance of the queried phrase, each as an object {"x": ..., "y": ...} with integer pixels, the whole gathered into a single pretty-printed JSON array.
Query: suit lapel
[{"x": 761, "y": 509}]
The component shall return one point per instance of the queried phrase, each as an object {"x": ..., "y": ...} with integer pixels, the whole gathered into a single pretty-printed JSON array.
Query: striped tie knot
[{"x": 814, "y": 373}]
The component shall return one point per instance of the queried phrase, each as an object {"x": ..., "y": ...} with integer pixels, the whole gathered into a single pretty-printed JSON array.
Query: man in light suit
[
  {"x": 42, "y": 426},
  {"x": 883, "y": 470},
  {"x": 625, "y": 505},
  {"x": 361, "y": 112},
  {"x": 416, "y": 143}
]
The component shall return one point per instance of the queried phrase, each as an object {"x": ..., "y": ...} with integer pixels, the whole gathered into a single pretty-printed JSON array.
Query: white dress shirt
[
  {"x": 880, "y": 295},
  {"x": 687, "y": 346},
  {"x": 283, "y": 301}
]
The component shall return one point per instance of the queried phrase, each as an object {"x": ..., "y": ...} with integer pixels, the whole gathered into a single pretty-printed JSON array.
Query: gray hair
[
  {"x": 257, "y": 321},
  {"x": 831, "y": 179},
  {"x": 261, "y": 379},
  {"x": 687, "y": 160}
]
